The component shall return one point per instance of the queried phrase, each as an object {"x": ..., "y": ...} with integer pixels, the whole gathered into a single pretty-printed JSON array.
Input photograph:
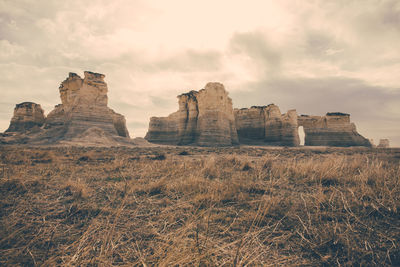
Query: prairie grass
[{"x": 199, "y": 206}]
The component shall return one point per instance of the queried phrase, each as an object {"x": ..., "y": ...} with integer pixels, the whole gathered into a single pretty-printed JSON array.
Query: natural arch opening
[{"x": 302, "y": 135}]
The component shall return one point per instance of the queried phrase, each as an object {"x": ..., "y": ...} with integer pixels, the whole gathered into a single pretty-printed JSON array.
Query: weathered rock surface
[
  {"x": 119, "y": 124},
  {"x": 27, "y": 116},
  {"x": 383, "y": 143},
  {"x": 84, "y": 103},
  {"x": 204, "y": 118},
  {"x": 266, "y": 125},
  {"x": 83, "y": 116},
  {"x": 333, "y": 129}
]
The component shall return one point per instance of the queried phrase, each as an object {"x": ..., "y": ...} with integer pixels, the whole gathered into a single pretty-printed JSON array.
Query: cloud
[
  {"x": 390, "y": 14},
  {"x": 259, "y": 51},
  {"x": 189, "y": 61},
  {"x": 9, "y": 50}
]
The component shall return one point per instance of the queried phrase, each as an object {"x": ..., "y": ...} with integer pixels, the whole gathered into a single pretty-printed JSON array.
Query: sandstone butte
[
  {"x": 206, "y": 118},
  {"x": 82, "y": 118}
]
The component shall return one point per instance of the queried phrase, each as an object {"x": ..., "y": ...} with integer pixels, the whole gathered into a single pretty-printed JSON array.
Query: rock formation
[
  {"x": 383, "y": 143},
  {"x": 119, "y": 124},
  {"x": 204, "y": 118},
  {"x": 83, "y": 116},
  {"x": 371, "y": 141},
  {"x": 84, "y": 105},
  {"x": 333, "y": 129},
  {"x": 27, "y": 116},
  {"x": 266, "y": 125}
]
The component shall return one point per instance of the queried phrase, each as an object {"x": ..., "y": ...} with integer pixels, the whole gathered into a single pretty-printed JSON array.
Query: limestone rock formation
[
  {"x": 266, "y": 125},
  {"x": 83, "y": 116},
  {"x": 204, "y": 118},
  {"x": 333, "y": 129},
  {"x": 84, "y": 104},
  {"x": 371, "y": 141},
  {"x": 27, "y": 116},
  {"x": 119, "y": 124},
  {"x": 383, "y": 143}
]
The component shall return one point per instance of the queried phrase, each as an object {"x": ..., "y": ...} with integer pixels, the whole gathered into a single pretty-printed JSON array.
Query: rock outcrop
[
  {"x": 28, "y": 116},
  {"x": 383, "y": 143},
  {"x": 84, "y": 105},
  {"x": 119, "y": 124},
  {"x": 267, "y": 126},
  {"x": 333, "y": 129},
  {"x": 83, "y": 116},
  {"x": 204, "y": 118}
]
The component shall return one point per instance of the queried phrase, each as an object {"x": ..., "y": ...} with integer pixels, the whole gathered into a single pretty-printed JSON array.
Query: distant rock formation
[
  {"x": 27, "y": 116},
  {"x": 371, "y": 141},
  {"x": 84, "y": 105},
  {"x": 204, "y": 118},
  {"x": 333, "y": 129},
  {"x": 83, "y": 116},
  {"x": 266, "y": 125},
  {"x": 383, "y": 143},
  {"x": 119, "y": 124}
]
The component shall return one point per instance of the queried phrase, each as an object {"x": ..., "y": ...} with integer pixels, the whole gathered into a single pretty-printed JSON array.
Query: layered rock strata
[
  {"x": 83, "y": 115},
  {"x": 333, "y": 129},
  {"x": 27, "y": 116},
  {"x": 266, "y": 125},
  {"x": 204, "y": 118},
  {"x": 383, "y": 143}
]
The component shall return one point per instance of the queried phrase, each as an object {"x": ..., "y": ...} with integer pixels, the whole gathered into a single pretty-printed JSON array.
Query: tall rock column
[
  {"x": 87, "y": 106},
  {"x": 216, "y": 122},
  {"x": 265, "y": 125},
  {"x": 188, "y": 118},
  {"x": 204, "y": 118}
]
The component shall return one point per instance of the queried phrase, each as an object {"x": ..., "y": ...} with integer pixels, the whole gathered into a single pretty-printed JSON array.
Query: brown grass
[{"x": 205, "y": 206}]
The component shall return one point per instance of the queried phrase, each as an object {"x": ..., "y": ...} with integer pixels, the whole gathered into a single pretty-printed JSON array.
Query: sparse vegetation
[{"x": 214, "y": 206}]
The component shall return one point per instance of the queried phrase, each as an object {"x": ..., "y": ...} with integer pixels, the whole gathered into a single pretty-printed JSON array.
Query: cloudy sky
[{"x": 315, "y": 56}]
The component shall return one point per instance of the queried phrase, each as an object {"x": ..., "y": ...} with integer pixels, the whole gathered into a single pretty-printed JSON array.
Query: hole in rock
[{"x": 302, "y": 135}]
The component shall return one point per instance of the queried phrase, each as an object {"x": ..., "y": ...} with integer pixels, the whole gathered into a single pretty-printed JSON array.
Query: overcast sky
[{"x": 313, "y": 56}]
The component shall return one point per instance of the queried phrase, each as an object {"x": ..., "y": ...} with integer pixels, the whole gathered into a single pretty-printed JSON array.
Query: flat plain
[{"x": 163, "y": 206}]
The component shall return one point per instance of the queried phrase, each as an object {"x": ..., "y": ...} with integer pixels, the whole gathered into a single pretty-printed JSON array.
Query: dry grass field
[{"x": 168, "y": 206}]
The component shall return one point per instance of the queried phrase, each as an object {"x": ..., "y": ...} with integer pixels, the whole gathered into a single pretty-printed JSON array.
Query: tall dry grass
[{"x": 217, "y": 207}]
